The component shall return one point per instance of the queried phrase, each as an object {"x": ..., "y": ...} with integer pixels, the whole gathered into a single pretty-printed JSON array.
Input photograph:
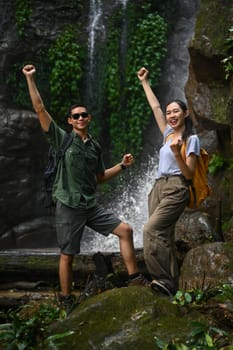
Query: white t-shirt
[{"x": 167, "y": 160}]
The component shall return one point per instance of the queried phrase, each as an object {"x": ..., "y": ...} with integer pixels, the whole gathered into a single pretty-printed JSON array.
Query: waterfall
[
  {"x": 96, "y": 34},
  {"x": 124, "y": 3},
  {"x": 94, "y": 22},
  {"x": 130, "y": 207},
  {"x": 95, "y": 28},
  {"x": 123, "y": 46}
]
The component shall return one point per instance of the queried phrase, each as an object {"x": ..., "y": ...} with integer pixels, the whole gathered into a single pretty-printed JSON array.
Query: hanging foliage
[
  {"x": 129, "y": 112},
  {"x": 66, "y": 57}
]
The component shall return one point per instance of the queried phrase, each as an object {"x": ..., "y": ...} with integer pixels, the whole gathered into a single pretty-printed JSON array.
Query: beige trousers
[{"x": 166, "y": 202}]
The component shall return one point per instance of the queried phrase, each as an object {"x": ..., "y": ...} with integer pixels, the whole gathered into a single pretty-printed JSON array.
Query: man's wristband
[{"x": 123, "y": 167}]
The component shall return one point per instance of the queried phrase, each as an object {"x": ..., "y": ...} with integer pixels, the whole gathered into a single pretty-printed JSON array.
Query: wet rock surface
[{"x": 133, "y": 318}]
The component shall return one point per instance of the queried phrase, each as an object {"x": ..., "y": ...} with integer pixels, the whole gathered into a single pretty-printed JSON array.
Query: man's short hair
[{"x": 75, "y": 106}]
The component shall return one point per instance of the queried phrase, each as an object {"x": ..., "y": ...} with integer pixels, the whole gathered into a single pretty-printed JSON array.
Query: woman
[{"x": 170, "y": 195}]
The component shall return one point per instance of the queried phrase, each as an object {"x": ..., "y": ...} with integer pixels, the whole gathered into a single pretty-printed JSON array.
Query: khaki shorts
[{"x": 70, "y": 223}]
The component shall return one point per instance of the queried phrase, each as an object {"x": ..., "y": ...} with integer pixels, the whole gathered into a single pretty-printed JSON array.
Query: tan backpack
[{"x": 198, "y": 188}]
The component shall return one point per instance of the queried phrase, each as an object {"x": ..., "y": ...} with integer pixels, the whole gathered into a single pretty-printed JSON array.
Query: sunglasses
[{"x": 78, "y": 115}]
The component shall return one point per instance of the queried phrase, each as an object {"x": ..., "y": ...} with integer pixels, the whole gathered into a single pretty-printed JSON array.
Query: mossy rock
[
  {"x": 125, "y": 318},
  {"x": 213, "y": 22}
]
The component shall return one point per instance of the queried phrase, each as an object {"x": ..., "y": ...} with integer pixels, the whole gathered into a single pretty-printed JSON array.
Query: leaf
[
  {"x": 209, "y": 340},
  {"x": 188, "y": 298}
]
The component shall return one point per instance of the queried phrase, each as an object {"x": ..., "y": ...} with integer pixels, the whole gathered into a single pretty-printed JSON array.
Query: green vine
[
  {"x": 23, "y": 12},
  {"x": 63, "y": 60},
  {"x": 17, "y": 92},
  {"x": 113, "y": 87},
  {"x": 16, "y": 86},
  {"x": 218, "y": 163},
  {"x": 228, "y": 61},
  {"x": 129, "y": 111},
  {"x": 148, "y": 48},
  {"x": 66, "y": 57}
]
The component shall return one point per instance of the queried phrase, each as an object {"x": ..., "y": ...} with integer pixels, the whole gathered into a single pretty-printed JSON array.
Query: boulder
[{"x": 207, "y": 266}]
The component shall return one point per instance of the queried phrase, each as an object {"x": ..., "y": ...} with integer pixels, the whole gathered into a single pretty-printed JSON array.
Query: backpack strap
[
  {"x": 189, "y": 182},
  {"x": 96, "y": 143},
  {"x": 68, "y": 139},
  {"x": 59, "y": 154}
]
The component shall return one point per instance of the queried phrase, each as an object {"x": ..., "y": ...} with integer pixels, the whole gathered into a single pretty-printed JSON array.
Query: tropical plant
[
  {"x": 65, "y": 56},
  {"x": 202, "y": 337},
  {"x": 22, "y": 332},
  {"x": 187, "y": 297},
  {"x": 228, "y": 61},
  {"x": 23, "y": 12},
  {"x": 219, "y": 162},
  {"x": 128, "y": 110}
]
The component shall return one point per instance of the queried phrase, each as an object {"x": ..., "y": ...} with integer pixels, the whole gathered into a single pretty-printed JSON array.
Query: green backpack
[{"x": 51, "y": 168}]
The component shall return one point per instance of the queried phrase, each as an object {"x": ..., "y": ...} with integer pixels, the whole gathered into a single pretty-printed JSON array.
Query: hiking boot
[
  {"x": 140, "y": 280},
  {"x": 159, "y": 287},
  {"x": 67, "y": 303}
]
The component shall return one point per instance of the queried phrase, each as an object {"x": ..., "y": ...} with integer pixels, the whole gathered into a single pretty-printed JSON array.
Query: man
[{"x": 74, "y": 191}]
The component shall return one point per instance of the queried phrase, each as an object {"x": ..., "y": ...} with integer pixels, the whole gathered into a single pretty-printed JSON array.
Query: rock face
[
  {"x": 209, "y": 94},
  {"x": 135, "y": 318},
  {"x": 207, "y": 266},
  {"x": 24, "y": 221},
  {"x": 21, "y": 211}
]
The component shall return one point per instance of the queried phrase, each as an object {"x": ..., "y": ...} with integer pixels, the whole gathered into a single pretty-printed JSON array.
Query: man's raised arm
[{"x": 38, "y": 105}]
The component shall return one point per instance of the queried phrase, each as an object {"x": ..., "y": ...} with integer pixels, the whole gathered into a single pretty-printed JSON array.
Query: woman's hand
[
  {"x": 176, "y": 146},
  {"x": 142, "y": 74},
  {"x": 29, "y": 70}
]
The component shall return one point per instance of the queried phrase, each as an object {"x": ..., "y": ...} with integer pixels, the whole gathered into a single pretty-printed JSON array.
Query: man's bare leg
[
  {"x": 125, "y": 234},
  {"x": 65, "y": 273}
]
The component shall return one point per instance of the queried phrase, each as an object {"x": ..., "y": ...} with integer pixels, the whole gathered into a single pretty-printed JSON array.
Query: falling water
[
  {"x": 94, "y": 18},
  {"x": 130, "y": 207},
  {"x": 95, "y": 24},
  {"x": 124, "y": 3},
  {"x": 123, "y": 43}
]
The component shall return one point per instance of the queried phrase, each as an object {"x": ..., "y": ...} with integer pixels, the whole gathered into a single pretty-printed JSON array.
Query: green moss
[
  {"x": 29, "y": 262},
  {"x": 213, "y": 22},
  {"x": 219, "y": 102},
  {"x": 228, "y": 249},
  {"x": 125, "y": 317},
  {"x": 111, "y": 315},
  {"x": 23, "y": 12},
  {"x": 128, "y": 318}
]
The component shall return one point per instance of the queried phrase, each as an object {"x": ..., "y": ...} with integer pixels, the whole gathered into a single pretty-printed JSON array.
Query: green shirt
[{"x": 76, "y": 175}]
